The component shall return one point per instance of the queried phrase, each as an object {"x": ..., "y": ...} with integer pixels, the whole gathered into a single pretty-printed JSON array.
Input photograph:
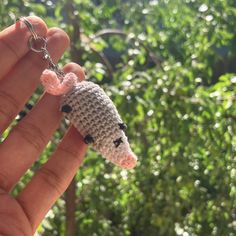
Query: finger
[
  {"x": 53, "y": 178},
  {"x": 75, "y": 68},
  {"x": 27, "y": 140},
  {"x": 23, "y": 79},
  {"x": 14, "y": 42}
]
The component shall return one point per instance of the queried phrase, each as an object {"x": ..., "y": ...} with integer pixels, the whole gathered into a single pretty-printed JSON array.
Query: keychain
[{"x": 87, "y": 107}]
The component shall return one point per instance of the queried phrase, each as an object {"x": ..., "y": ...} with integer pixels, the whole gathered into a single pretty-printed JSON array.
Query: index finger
[{"x": 14, "y": 42}]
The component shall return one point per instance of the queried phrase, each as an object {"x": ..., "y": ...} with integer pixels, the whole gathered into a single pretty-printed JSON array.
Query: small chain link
[{"x": 51, "y": 65}]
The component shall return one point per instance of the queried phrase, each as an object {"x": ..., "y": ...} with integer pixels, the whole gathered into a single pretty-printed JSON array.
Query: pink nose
[{"x": 129, "y": 162}]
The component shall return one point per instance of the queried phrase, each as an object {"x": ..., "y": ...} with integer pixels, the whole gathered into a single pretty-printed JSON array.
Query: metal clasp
[{"x": 38, "y": 44}]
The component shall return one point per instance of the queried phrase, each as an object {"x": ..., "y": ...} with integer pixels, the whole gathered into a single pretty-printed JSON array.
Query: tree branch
[
  {"x": 157, "y": 61},
  {"x": 103, "y": 59},
  {"x": 70, "y": 209}
]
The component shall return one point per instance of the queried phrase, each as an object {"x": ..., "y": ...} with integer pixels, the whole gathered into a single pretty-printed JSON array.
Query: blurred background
[{"x": 170, "y": 67}]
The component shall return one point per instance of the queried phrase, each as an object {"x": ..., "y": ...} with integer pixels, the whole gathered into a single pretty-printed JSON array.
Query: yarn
[
  {"x": 54, "y": 86},
  {"x": 94, "y": 115}
]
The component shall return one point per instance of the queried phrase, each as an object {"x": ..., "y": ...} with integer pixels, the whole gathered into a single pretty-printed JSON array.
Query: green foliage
[{"x": 174, "y": 85}]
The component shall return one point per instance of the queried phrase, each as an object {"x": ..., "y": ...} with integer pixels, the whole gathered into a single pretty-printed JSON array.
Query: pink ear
[
  {"x": 129, "y": 162},
  {"x": 50, "y": 81},
  {"x": 68, "y": 82},
  {"x": 54, "y": 86}
]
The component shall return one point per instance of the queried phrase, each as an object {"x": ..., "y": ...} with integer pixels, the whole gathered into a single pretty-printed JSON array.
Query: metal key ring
[
  {"x": 40, "y": 41},
  {"x": 38, "y": 44},
  {"x": 29, "y": 26}
]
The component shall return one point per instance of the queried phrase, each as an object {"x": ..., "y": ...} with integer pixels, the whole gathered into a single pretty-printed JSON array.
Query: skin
[{"x": 19, "y": 77}]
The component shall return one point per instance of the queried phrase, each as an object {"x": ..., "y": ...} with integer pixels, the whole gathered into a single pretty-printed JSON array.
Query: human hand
[{"x": 19, "y": 77}]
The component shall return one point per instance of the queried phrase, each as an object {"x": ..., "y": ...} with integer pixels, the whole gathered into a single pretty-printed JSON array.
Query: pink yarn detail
[
  {"x": 129, "y": 162},
  {"x": 54, "y": 86}
]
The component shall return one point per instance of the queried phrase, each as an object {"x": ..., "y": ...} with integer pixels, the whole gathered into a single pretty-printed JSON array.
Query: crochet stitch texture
[{"x": 94, "y": 115}]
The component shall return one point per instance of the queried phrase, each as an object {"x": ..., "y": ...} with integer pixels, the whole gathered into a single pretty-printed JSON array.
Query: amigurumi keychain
[
  {"x": 94, "y": 115},
  {"x": 88, "y": 108}
]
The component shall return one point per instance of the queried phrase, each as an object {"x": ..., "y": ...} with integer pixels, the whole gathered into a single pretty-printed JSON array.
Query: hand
[{"x": 19, "y": 77}]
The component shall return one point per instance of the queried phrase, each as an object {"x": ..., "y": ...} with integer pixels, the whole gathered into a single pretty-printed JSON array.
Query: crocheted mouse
[{"x": 94, "y": 115}]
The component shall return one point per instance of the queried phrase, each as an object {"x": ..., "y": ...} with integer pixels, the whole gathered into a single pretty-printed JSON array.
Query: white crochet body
[{"x": 94, "y": 114}]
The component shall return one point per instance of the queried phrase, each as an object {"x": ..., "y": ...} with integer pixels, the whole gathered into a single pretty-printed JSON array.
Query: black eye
[
  {"x": 122, "y": 126},
  {"x": 117, "y": 142},
  {"x": 88, "y": 139},
  {"x": 66, "y": 108}
]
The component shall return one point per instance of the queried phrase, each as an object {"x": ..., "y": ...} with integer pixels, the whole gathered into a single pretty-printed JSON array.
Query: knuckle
[
  {"x": 52, "y": 179},
  {"x": 9, "y": 46},
  {"x": 32, "y": 134},
  {"x": 8, "y": 106},
  {"x": 4, "y": 183},
  {"x": 68, "y": 151},
  {"x": 5, "y": 118}
]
